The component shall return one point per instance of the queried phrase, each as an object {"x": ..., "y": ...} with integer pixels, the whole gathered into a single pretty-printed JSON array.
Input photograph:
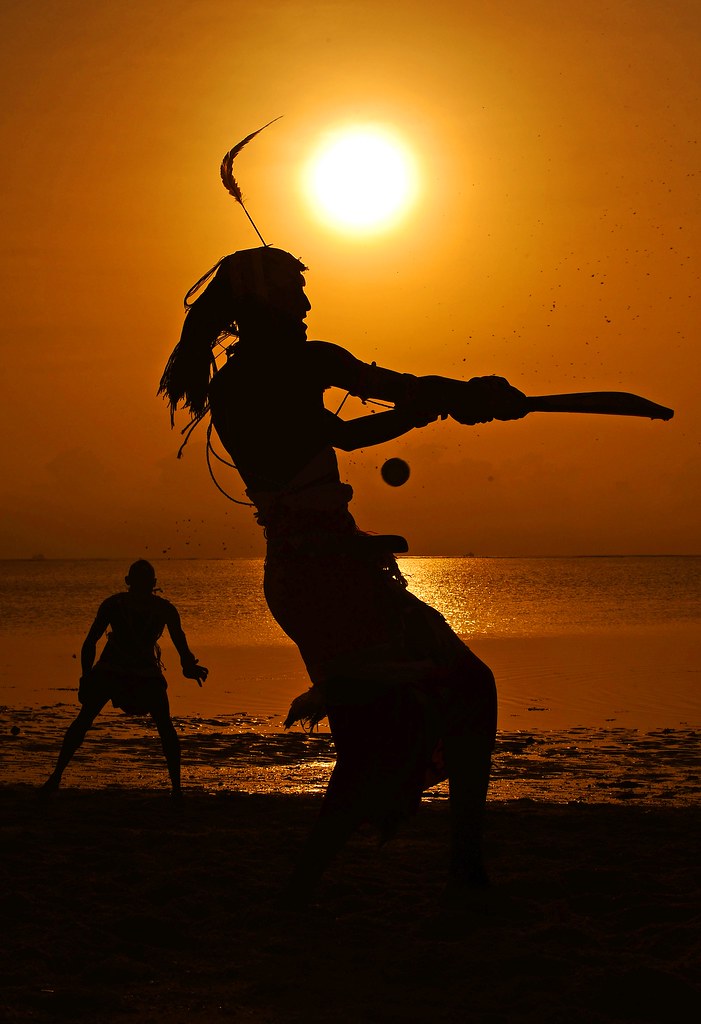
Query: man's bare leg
[
  {"x": 338, "y": 819},
  {"x": 75, "y": 734},
  {"x": 343, "y": 806},
  {"x": 170, "y": 743},
  {"x": 468, "y": 761}
]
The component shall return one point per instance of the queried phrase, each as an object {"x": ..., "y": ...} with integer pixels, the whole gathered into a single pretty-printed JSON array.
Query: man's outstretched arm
[
  {"x": 188, "y": 661},
  {"x": 479, "y": 400},
  {"x": 422, "y": 399},
  {"x": 365, "y": 431}
]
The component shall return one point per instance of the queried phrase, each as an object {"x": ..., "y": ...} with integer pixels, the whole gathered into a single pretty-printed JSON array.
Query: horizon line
[{"x": 231, "y": 558}]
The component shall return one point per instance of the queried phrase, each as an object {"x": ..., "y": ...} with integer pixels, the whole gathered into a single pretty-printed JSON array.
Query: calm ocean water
[{"x": 221, "y": 601}]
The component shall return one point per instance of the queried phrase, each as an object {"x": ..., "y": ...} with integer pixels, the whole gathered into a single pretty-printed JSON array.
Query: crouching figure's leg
[
  {"x": 160, "y": 713},
  {"x": 75, "y": 734}
]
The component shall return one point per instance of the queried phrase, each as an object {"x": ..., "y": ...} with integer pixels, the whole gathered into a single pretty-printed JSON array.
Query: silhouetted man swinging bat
[{"x": 407, "y": 701}]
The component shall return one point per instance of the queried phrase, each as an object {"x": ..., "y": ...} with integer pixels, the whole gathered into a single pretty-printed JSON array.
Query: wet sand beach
[
  {"x": 120, "y": 906},
  {"x": 252, "y": 754}
]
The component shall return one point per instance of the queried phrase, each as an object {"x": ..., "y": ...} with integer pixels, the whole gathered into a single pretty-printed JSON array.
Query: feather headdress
[
  {"x": 227, "y": 173},
  {"x": 212, "y": 314}
]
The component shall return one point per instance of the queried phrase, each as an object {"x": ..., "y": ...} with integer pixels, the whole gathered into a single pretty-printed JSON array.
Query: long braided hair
[{"x": 237, "y": 284}]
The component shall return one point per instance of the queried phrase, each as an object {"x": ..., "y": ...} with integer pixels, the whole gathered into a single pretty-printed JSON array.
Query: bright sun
[{"x": 361, "y": 180}]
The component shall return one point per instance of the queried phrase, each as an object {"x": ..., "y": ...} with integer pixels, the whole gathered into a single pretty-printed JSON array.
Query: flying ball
[{"x": 395, "y": 472}]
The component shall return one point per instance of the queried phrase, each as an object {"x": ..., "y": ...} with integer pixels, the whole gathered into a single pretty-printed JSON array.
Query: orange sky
[{"x": 556, "y": 243}]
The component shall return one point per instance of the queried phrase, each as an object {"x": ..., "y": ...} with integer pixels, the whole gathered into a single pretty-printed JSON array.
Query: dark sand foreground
[{"x": 118, "y": 906}]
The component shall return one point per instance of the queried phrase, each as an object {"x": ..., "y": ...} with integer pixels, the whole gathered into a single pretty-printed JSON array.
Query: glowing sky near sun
[
  {"x": 361, "y": 180},
  {"x": 547, "y": 229}
]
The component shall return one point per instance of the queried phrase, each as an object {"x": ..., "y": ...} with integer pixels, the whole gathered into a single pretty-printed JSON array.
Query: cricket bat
[{"x": 608, "y": 403}]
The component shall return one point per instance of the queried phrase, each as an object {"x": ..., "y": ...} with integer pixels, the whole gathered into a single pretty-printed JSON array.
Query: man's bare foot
[{"x": 50, "y": 786}]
